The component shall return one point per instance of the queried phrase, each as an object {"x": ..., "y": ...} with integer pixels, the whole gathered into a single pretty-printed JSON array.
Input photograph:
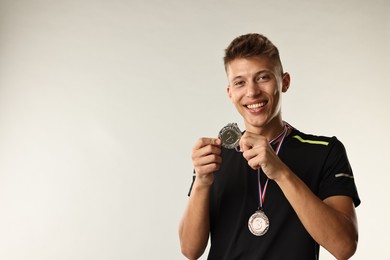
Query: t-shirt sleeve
[
  {"x": 192, "y": 183},
  {"x": 338, "y": 178}
]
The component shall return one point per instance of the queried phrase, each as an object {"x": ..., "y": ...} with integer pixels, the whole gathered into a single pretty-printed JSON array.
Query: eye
[
  {"x": 262, "y": 77},
  {"x": 239, "y": 83}
]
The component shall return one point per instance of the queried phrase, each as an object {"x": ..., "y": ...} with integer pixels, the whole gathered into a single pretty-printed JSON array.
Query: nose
[{"x": 253, "y": 90}]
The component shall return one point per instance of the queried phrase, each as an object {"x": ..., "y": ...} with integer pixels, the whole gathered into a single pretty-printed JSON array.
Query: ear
[
  {"x": 229, "y": 92},
  {"x": 286, "y": 82}
]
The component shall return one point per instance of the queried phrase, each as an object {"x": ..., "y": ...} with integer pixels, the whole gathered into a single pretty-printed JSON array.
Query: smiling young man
[{"x": 282, "y": 193}]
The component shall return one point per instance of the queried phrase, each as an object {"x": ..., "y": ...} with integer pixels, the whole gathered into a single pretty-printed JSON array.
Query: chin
[
  {"x": 256, "y": 124},
  {"x": 258, "y": 121}
]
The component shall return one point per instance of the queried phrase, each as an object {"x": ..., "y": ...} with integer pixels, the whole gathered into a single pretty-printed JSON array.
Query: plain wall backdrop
[{"x": 102, "y": 101}]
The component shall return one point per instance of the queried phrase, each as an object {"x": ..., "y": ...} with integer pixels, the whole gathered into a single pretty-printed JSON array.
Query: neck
[{"x": 270, "y": 131}]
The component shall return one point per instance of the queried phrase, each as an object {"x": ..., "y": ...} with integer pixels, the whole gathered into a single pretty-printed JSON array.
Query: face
[{"x": 255, "y": 88}]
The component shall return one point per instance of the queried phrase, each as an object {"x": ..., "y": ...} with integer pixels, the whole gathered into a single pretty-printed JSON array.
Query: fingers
[
  {"x": 204, "y": 141},
  {"x": 256, "y": 150},
  {"x": 254, "y": 157},
  {"x": 206, "y": 155},
  {"x": 249, "y": 141}
]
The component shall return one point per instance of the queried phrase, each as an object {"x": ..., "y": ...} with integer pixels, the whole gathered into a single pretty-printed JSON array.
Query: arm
[
  {"x": 332, "y": 223},
  {"x": 194, "y": 227}
]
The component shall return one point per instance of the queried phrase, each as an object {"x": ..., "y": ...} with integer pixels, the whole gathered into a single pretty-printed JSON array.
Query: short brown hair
[{"x": 252, "y": 45}]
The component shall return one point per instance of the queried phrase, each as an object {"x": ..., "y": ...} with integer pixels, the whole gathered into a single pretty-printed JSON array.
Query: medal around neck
[
  {"x": 258, "y": 223},
  {"x": 230, "y": 136}
]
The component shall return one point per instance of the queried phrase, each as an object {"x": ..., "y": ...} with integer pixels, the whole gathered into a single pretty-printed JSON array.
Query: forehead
[{"x": 246, "y": 67}]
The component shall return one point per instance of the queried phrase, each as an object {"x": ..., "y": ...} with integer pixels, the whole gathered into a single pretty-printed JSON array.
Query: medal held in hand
[
  {"x": 230, "y": 136},
  {"x": 258, "y": 223}
]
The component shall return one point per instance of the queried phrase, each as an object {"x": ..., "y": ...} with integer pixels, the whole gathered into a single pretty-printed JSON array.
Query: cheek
[
  {"x": 233, "y": 98},
  {"x": 275, "y": 92},
  {"x": 233, "y": 95}
]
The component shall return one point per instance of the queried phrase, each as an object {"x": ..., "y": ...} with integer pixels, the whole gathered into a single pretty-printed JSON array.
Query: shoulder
[
  {"x": 311, "y": 140},
  {"x": 315, "y": 146},
  {"x": 305, "y": 138}
]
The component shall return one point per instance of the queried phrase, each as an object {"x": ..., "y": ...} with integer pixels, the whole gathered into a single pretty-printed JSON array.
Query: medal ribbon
[{"x": 263, "y": 191}]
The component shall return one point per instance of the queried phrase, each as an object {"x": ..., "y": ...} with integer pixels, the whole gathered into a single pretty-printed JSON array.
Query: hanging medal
[{"x": 259, "y": 223}]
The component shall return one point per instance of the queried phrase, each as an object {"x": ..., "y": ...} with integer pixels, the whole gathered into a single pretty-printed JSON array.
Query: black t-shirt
[{"x": 321, "y": 162}]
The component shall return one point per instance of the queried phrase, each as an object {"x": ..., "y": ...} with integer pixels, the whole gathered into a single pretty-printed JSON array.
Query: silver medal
[
  {"x": 258, "y": 223},
  {"x": 230, "y": 136}
]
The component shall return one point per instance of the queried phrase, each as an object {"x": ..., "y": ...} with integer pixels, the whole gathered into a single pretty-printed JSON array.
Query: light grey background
[{"x": 102, "y": 101}]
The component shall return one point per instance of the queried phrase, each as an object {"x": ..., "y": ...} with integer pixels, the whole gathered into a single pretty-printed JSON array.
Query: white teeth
[{"x": 254, "y": 106}]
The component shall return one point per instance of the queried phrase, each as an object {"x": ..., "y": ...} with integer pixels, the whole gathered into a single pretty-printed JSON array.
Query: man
[{"x": 280, "y": 193}]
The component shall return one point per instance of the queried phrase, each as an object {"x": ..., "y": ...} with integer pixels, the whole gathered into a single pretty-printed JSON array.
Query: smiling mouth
[{"x": 256, "y": 106}]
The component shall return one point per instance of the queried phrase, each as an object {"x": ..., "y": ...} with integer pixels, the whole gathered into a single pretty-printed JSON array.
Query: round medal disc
[
  {"x": 230, "y": 136},
  {"x": 258, "y": 223}
]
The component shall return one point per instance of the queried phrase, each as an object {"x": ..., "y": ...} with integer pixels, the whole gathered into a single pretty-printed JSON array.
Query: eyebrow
[
  {"x": 237, "y": 77},
  {"x": 256, "y": 74}
]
